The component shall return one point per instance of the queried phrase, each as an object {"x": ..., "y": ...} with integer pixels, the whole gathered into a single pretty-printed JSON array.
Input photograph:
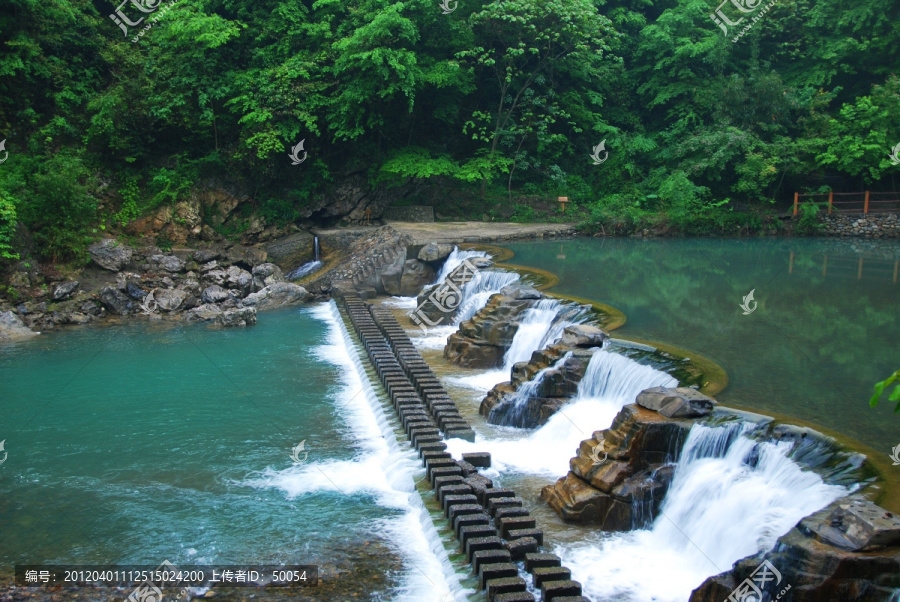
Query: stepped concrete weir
[{"x": 496, "y": 534}]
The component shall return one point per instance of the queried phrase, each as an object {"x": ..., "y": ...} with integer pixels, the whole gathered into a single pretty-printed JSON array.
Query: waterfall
[
  {"x": 478, "y": 290},
  {"x": 611, "y": 381},
  {"x": 309, "y": 267},
  {"x": 613, "y": 376},
  {"x": 731, "y": 497},
  {"x": 541, "y": 324},
  {"x": 512, "y": 416},
  {"x": 454, "y": 260},
  {"x": 380, "y": 467}
]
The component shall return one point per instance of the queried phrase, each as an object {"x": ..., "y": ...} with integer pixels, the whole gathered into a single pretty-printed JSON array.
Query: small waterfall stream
[
  {"x": 308, "y": 267},
  {"x": 731, "y": 497}
]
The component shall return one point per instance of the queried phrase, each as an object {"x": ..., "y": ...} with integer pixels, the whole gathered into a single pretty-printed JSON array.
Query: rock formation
[
  {"x": 849, "y": 550},
  {"x": 620, "y": 476},
  {"x": 482, "y": 341},
  {"x": 557, "y": 385}
]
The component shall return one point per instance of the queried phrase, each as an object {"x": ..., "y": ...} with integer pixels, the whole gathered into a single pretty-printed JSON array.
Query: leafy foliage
[
  {"x": 501, "y": 98},
  {"x": 880, "y": 388}
]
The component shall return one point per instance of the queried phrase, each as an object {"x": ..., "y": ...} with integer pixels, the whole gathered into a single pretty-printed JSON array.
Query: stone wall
[{"x": 883, "y": 225}]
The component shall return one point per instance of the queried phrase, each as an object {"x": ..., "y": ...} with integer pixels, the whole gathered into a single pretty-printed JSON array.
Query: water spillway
[
  {"x": 731, "y": 497},
  {"x": 611, "y": 381}
]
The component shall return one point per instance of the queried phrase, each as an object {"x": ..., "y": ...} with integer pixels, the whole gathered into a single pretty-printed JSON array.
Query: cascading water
[
  {"x": 541, "y": 324},
  {"x": 514, "y": 410},
  {"x": 610, "y": 382},
  {"x": 380, "y": 468},
  {"x": 475, "y": 295},
  {"x": 731, "y": 497},
  {"x": 308, "y": 267},
  {"x": 456, "y": 259}
]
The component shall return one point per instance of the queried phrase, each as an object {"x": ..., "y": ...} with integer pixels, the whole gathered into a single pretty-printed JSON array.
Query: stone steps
[{"x": 494, "y": 531}]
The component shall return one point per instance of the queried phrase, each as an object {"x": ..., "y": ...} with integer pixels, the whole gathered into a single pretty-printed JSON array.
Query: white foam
[
  {"x": 379, "y": 468},
  {"x": 611, "y": 381},
  {"x": 719, "y": 509}
]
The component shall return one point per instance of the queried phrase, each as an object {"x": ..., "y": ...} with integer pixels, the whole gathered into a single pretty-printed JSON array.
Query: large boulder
[
  {"x": 116, "y": 301},
  {"x": 12, "y": 328},
  {"x": 680, "y": 402},
  {"x": 265, "y": 274},
  {"x": 583, "y": 335},
  {"x": 292, "y": 250},
  {"x": 276, "y": 295},
  {"x": 434, "y": 252},
  {"x": 203, "y": 313},
  {"x": 244, "y": 316},
  {"x": 390, "y": 279},
  {"x": 238, "y": 279},
  {"x": 849, "y": 550},
  {"x": 166, "y": 263},
  {"x": 214, "y": 294},
  {"x": 169, "y": 299},
  {"x": 205, "y": 255},
  {"x": 620, "y": 476},
  {"x": 64, "y": 290},
  {"x": 416, "y": 276},
  {"x": 110, "y": 254}
]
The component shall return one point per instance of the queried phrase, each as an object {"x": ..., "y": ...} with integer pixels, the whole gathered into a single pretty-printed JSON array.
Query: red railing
[{"x": 854, "y": 202}]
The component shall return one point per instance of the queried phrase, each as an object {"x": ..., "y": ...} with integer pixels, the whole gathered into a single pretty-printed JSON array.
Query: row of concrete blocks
[
  {"x": 419, "y": 372},
  {"x": 493, "y": 528},
  {"x": 423, "y": 421}
]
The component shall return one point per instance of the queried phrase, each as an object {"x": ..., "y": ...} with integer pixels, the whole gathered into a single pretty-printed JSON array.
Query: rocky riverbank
[{"x": 224, "y": 284}]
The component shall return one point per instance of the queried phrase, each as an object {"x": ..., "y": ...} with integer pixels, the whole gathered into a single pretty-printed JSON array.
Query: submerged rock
[{"x": 245, "y": 316}]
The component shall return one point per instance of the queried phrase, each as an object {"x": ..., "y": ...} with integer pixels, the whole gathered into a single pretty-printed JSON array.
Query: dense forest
[{"x": 699, "y": 117}]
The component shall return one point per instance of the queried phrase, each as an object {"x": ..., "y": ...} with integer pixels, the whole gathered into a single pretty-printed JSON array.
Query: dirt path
[{"x": 472, "y": 232}]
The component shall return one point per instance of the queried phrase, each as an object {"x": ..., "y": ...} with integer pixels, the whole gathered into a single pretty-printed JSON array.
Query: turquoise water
[
  {"x": 139, "y": 443},
  {"x": 822, "y": 333}
]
